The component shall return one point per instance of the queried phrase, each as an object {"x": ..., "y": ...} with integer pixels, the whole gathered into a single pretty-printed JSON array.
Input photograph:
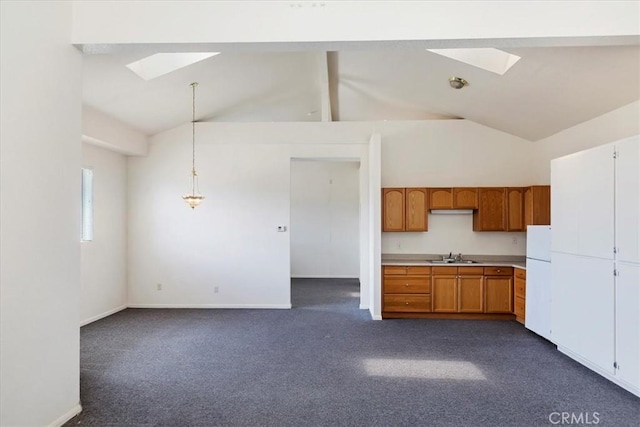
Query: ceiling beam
[{"x": 341, "y": 25}]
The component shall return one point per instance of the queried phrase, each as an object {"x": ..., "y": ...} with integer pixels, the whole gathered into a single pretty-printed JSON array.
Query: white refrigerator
[{"x": 538, "y": 301}]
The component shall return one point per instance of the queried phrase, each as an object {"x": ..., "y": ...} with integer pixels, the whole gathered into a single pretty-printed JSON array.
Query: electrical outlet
[
  {"x": 514, "y": 240},
  {"x": 215, "y": 289},
  {"x": 282, "y": 228},
  {"x": 159, "y": 286}
]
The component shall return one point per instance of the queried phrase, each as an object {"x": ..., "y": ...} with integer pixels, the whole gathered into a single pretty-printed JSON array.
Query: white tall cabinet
[{"x": 595, "y": 259}]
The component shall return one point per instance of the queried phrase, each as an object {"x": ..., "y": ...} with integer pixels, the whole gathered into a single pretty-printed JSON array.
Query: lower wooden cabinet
[
  {"x": 470, "y": 294},
  {"x": 406, "y": 289},
  {"x": 445, "y": 292},
  {"x": 520, "y": 291},
  {"x": 498, "y": 290},
  {"x": 449, "y": 291}
]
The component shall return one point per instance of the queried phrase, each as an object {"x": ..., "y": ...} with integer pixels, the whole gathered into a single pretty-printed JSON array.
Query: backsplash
[{"x": 453, "y": 233}]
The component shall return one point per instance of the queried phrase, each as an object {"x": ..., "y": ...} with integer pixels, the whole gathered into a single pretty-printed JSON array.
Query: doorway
[{"x": 324, "y": 225}]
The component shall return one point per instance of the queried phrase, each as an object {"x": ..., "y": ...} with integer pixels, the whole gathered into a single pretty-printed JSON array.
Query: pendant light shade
[{"x": 194, "y": 198}]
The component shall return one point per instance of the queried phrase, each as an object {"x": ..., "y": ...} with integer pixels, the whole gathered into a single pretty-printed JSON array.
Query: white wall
[
  {"x": 103, "y": 260},
  {"x": 453, "y": 153},
  {"x": 230, "y": 242},
  {"x": 613, "y": 126},
  {"x": 325, "y": 218},
  {"x": 104, "y": 131},
  {"x": 40, "y": 125}
]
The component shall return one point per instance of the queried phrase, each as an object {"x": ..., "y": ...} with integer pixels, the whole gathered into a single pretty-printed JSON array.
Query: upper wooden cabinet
[
  {"x": 404, "y": 209},
  {"x": 415, "y": 209},
  {"x": 515, "y": 208},
  {"x": 492, "y": 210},
  {"x": 537, "y": 205},
  {"x": 465, "y": 198},
  {"x": 393, "y": 209},
  {"x": 440, "y": 198},
  {"x": 453, "y": 198}
]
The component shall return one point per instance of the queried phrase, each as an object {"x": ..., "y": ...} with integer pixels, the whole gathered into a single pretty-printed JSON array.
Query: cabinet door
[
  {"x": 628, "y": 323},
  {"x": 627, "y": 221},
  {"x": 470, "y": 294},
  {"x": 393, "y": 209},
  {"x": 492, "y": 210},
  {"x": 596, "y": 203},
  {"x": 582, "y": 307},
  {"x": 565, "y": 188},
  {"x": 465, "y": 198},
  {"x": 498, "y": 296},
  {"x": 515, "y": 207},
  {"x": 440, "y": 198},
  {"x": 415, "y": 209},
  {"x": 444, "y": 294},
  {"x": 537, "y": 205}
]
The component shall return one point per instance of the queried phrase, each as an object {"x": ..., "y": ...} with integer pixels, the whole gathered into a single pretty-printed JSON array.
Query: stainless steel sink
[{"x": 465, "y": 261}]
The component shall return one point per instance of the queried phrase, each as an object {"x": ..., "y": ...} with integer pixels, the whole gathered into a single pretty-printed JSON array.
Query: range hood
[{"x": 451, "y": 211}]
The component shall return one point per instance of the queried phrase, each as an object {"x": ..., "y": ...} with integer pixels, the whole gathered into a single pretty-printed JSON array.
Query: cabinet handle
[
  {"x": 498, "y": 270},
  {"x": 406, "y": 303},
  {"x": 406, "y": 284}
]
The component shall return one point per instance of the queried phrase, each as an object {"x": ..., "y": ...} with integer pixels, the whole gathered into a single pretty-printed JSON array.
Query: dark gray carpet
[{"x": 325, "y": 363}]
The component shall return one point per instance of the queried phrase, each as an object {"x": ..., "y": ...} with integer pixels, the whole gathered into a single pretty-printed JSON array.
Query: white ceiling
[{"x": 548, "y": 90}]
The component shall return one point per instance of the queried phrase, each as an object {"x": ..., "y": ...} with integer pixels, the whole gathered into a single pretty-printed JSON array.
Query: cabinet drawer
[
  {"x": 518, "y": 308},
  {"x": 520, "y": 286},
  {"x": 407, "y": 284},
  {"x": 394, "y": 270},
  {"x": 445, "y": 270},
  {"x": 470, "y": 271},
  {"x": 520, "y": 273},
  {"x": 404, "y": 270},
  {"x": 498, "y": 271},
  {"x": 407, "y": 303}
]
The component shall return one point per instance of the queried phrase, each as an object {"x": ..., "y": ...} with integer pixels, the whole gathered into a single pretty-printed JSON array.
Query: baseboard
[
  {"x": 376, "y": 316},
  {"x": 67, "y": 416},
  {"x": 103, "y": 315},
  {"x": 364, "y": 306},
  {"x": 231, "y": 306},
  {"x": 316, "y": 276},
  {"x": 598, "y": 370}
]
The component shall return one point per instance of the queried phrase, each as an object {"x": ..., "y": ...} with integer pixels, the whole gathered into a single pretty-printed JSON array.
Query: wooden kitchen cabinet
[
  {"x": 498, "y": 290},
  {"x": 453, "y": 198},
  {"x": 492, "y": 210},
  {"x": 537, "y": 205},
  {"x": 404, "y": 209},
  {"x": 415, "y": 209},
  {"x": 444, "y": 285},
  {"x": 515, "y": 209},
  {"x": 520, "y": 293},
  {"x": 463, "y": 292},
  {"x": 457, "y": 289},
  {"x": 393, "y": 209},
  {"x": 406, "y": 289},
  {"x": 440, "y": 198},
  {"x": 465, "y": 198},
  {"x": 470, "y": 290}
]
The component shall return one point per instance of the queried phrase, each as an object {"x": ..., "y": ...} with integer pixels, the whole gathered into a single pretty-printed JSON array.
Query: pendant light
[{"x": 194, "y": 198}]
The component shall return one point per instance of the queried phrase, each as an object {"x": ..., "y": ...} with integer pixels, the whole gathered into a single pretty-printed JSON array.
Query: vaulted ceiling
[{"x": 549, "y": 89}]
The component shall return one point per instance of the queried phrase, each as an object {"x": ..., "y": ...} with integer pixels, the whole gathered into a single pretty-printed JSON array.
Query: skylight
[
  {"x": 490, "y": 59},
  {"x": 162, "y": 63}
]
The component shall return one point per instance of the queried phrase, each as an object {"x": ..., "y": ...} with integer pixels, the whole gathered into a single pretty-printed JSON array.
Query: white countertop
[{"x": 424, "y": 260}]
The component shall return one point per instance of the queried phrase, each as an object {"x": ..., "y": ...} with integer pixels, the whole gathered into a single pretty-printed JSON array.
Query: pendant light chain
[
  {"x": 195, "y": 198},
  {"x": 193, "y": 138}
]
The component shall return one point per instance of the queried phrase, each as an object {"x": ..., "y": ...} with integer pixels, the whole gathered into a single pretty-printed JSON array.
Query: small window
[{"x": 87, "y": 205}]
